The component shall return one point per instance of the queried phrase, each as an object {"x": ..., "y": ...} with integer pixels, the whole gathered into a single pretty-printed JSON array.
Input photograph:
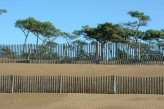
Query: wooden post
[
  {"x": 60, "y": 83},
  {"x": 139, "y": 53},
  {"x": 114, "y": 84},
  {"x": 12, "y": 83},
  {"x": 29, "y": 54},
  {"x": 128, "y": 52},
  {"x": 97, "y": 53},
  {"x": 64, "y": 53}
]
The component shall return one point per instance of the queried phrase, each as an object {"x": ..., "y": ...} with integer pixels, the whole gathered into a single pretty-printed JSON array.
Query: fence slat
[
  {"x": 73, "y": 84},
  {"x": 109, "y": 53}
]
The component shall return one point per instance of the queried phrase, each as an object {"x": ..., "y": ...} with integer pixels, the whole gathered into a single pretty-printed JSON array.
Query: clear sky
[{"x": 70, "y": 15}]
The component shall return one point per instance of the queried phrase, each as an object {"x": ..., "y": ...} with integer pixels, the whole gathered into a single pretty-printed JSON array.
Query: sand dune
[
  {"x": 80, "y": 101},
  {"x": 81, "y": 69}
]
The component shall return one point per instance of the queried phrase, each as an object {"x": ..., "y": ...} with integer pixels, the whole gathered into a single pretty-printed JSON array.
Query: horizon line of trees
[{"x": 128, "y": 32}]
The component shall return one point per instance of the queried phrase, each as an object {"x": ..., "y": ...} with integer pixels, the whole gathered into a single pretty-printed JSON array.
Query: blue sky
[{"x": 70, "y": 15}]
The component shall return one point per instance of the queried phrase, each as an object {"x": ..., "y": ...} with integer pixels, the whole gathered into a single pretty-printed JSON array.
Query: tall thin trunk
[
  {"x": 25, "y": 43},
  {"x": 139, "y": 51},
  {"x": 98, "y": 52},
  {"x": 116, "y": 51},
  {"x": 158, "y": 44},
  {"x": 102, "y": 54},
  {"x": 136, "y": 37},
  {"x": 64, "y": 52},
  {"x": 37, "y": 41},
  {"x": 127, "y": 58},
  {"x": 136, "y": 34}
]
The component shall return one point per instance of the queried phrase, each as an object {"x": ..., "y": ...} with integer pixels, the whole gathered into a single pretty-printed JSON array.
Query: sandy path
[
  {"x": 80, "y": 101},
  {"x": 81, "y": 70}
]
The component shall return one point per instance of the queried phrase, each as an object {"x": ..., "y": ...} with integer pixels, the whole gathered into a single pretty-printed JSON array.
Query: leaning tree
[
  {"x": 25, "y": 26},
  {"x": 48, "y": 32},
  {"x": 45, "y": 29},
  {"x": 142, "y": 20}
]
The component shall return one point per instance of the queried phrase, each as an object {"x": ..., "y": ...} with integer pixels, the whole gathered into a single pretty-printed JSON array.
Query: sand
[
  {"x": 80, "y": 101},
  {"x": 81, "y": 69}
]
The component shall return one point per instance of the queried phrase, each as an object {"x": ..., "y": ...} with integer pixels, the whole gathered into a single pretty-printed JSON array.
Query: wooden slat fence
[
  {"x": 72, "y": 84},
  {"x": 92, "y": 53}
]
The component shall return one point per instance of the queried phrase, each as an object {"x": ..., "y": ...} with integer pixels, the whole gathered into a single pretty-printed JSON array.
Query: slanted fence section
[
  {"x": 93, "y": 53},
  {"x": 72, "y": 84}
]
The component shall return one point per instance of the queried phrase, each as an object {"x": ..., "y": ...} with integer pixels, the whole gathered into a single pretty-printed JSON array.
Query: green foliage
[
  {"x": 51, "y": 44},
  {"x": 44, "y": 53},
  {"x": 45, "y": 29},
  {"x": 5, "y": 51},
  {"x": 3, "y": 11},
  {"x": 82, "y": 55},
  {"x": 25, "y": 24},
  {"x": 103, "y": 33},
  {"x": 49, "y": 30},
  {"x": 142, "y": 20},
  {"x": 149, "y": 54},
  {"x": 121, "y": 55},
  {"x": 153, "y": 34},
  {"x": 79, "y": 42},
  {"x": 69, "y": 37}
]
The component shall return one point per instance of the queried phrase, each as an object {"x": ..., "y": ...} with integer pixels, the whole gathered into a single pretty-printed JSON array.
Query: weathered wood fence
[
  {"x": 71, "y": 84},
  {"x": 93, "y": 53}
]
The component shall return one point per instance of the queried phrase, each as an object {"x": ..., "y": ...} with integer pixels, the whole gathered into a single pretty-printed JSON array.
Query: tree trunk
[
  {"x": 139, "y": 51},
  {"x": 25, "y": 43},
  {"x": 26, "y": 36},
  {"x": 136, "y": 33},
  {"x": 128, "y": 52},
  {"x": 97, "y": 52},
  {"x": 102, "y": 54},
  {"x": 158, "y": 44},
  {"x": 64, "y": 52},
  {"x": 116, "y": 51},
  {"x": 37, "y": 41}
]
